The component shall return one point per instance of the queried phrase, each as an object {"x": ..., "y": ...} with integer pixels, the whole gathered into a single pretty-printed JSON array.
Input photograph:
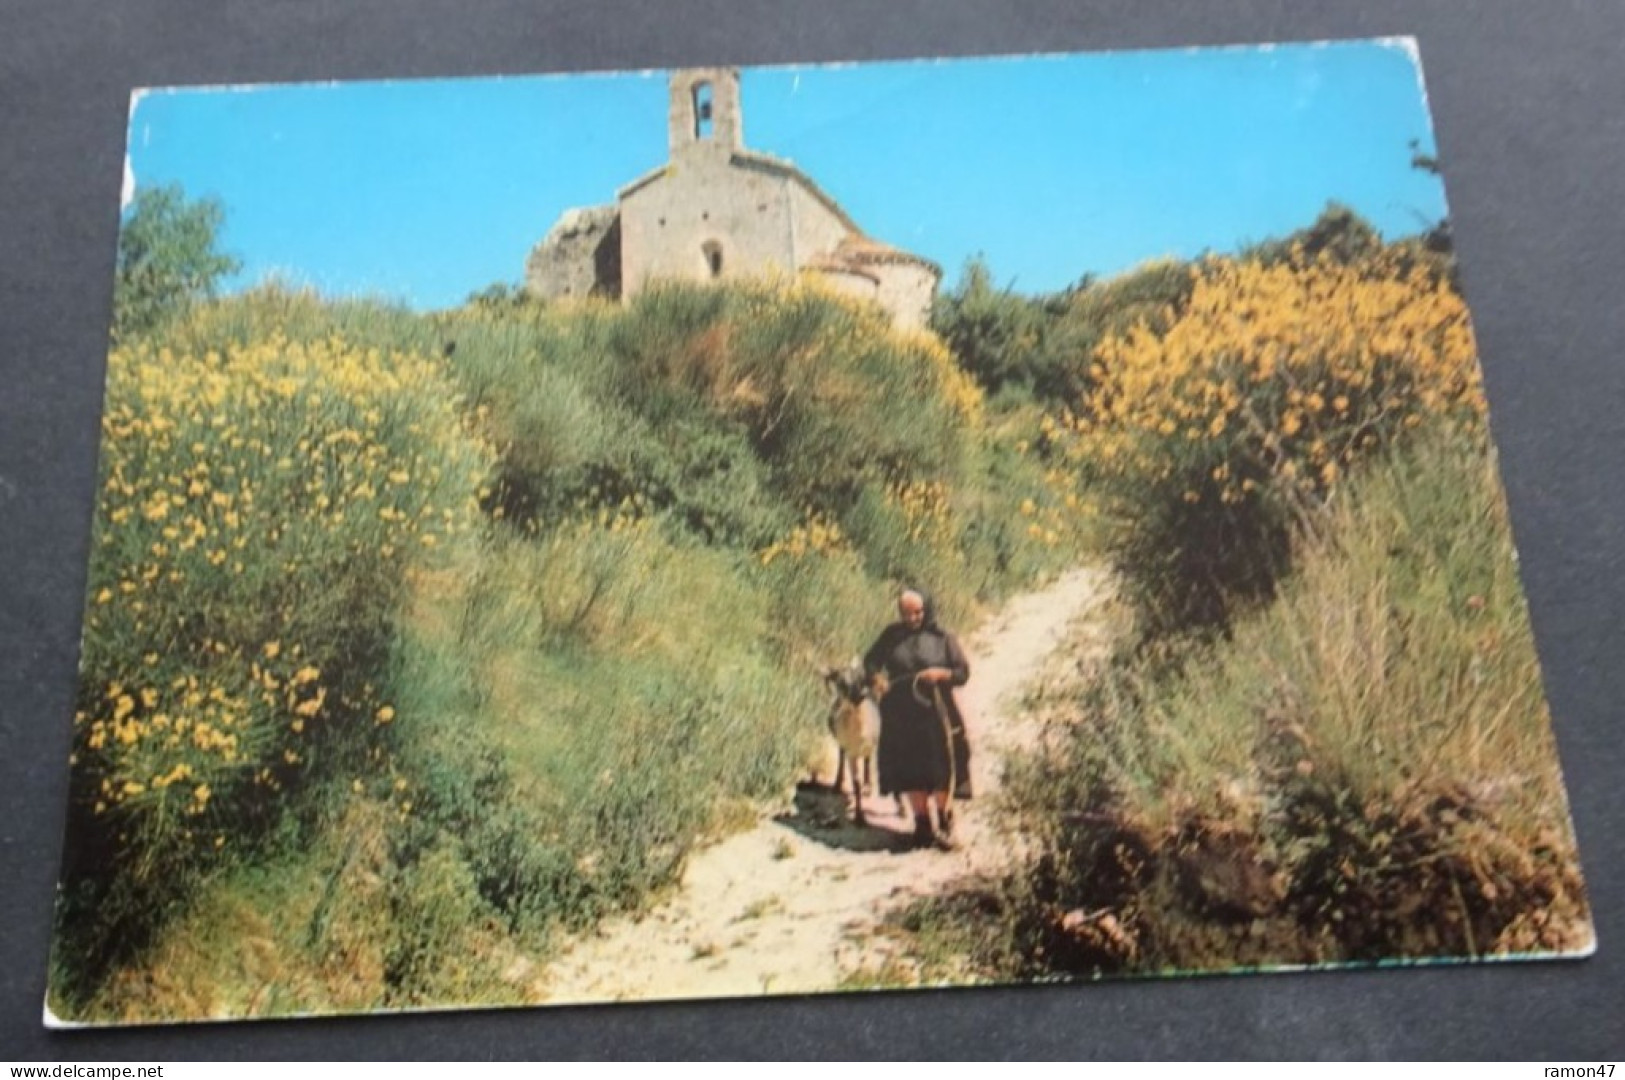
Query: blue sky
[{"x": 1052, "y": 167}]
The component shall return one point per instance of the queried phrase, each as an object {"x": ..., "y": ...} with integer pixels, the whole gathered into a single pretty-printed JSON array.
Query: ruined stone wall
[
  {"x": 580, "y": 256},
  {"x": 667, "y": 223}
]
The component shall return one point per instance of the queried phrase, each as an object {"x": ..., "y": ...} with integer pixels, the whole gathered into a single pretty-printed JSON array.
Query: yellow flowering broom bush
[
  {"x": 1209, "y": 437},
  {"x": 259, "y": 511}
]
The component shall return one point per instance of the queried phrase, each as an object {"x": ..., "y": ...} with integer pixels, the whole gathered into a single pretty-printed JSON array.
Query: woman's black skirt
[{"x": 915, "y": 752}]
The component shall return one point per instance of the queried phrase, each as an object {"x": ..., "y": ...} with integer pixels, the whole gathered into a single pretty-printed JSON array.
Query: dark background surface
[{"x": 1529, "y": 108}]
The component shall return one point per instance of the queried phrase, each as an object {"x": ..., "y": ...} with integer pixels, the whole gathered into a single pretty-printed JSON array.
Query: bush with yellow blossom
[
  {"x": 1209, "y": 437},
  {"x": 260, "y": 510}
]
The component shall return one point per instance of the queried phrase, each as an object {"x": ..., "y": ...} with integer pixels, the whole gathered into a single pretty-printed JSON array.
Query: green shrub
[
  {"x": 434, "y": 906},
  {"x": 994, "y": 335},
  {"x": 752, "y": 417},
  {"x": 604, "y": 699},
  {"x": 167, "y": 259},
  {"x": 1022, "y": 349}
]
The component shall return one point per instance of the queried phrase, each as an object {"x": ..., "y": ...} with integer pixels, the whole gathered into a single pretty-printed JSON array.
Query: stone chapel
[{"x": 716, "y": 211}]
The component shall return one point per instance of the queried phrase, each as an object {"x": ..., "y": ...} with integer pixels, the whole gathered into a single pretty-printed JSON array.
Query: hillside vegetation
[
  {"x": 1322, "y": 737},
  {"x": 1362, "y": 770},
  {"x": 413, "y": 641},
  {"x": 417, "y": 643}
]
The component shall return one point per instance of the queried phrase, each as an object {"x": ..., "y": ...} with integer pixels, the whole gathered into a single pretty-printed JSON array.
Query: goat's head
[{"x": 849, "y": 683}]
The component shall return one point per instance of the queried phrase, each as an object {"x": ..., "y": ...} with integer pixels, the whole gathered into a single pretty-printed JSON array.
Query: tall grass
[{"x": 1364, "y": 771}]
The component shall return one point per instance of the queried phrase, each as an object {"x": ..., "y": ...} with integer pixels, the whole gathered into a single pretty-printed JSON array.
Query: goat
[{"x": 854, "y": 721}]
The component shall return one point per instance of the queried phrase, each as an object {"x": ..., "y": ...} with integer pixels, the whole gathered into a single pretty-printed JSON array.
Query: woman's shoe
[{"x": 924, "y": 835}]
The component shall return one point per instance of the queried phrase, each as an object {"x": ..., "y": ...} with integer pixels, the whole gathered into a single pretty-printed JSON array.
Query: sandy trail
[{"x": 788, "y": 906}]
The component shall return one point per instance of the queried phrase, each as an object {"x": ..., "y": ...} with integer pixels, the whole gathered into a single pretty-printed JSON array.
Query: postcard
[{"x": 724, "y": 532}]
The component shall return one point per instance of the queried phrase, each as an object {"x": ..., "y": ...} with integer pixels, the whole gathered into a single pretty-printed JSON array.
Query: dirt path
[{"x": 787, "y": 906}]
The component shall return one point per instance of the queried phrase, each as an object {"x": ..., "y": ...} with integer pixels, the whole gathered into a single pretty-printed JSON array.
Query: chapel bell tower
[{"x": 705, "y": 112}]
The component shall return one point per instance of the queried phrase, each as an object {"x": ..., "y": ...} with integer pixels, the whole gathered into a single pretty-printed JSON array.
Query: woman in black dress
[{"x": 924, "y": 753}]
